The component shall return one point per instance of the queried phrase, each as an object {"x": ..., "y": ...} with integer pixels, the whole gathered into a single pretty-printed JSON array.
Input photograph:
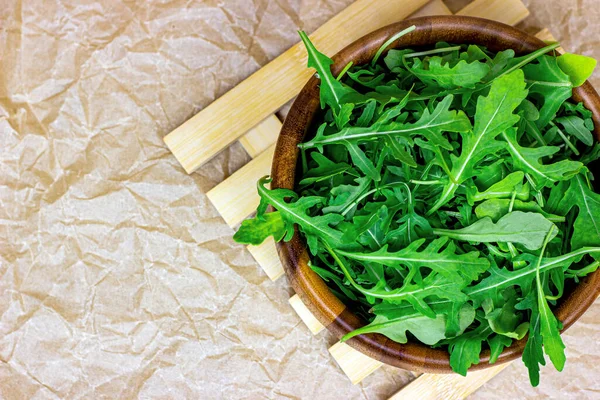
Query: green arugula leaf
[
  {"x": 435, "y": 256},
  {"x": 430, "y": 126},
  {"x": 254, "y": 231},
  {"x": 325, "y": 169},
  {"x": 428, "y": 330},
  {"x": 549, "y": 324},
  {"x": 528, "y": 159},
  {"x": 502, "y": 278},
  {"x": 576, "y": 126},
  {"x": 579, "y": 68},
  {"x": 528, "y": 229},
  {"x": 497, "y": 208},
  {"x": 586, "y": 228},
  {"x": 497, "y": 344},
  {"x": 465, "y": 349},
  {"x": 463, "y": 74},
  {"x": 533, "y": 354},
  {"x": 494, "y": 114},
  {"x": 331, "y": 89},
  {"x": 502, "y": 189},
  {"x": 551, "y": 83},
  {"x": 296, "y": 212},
  {"x": 502, "y": 316}
]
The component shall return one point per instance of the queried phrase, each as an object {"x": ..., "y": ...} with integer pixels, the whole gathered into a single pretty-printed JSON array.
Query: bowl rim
[{"x": 313, "y": 291}]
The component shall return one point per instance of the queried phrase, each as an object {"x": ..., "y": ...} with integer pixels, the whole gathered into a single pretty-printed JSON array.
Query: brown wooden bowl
[{"x": 330, "y": 311}]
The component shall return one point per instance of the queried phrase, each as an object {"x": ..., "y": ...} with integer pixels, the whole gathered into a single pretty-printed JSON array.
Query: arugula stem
[
  {"x": 536, "y": 133},
  {"x": 346, "y": 68},
  {"x": 565, "y": 139},
  {"x": 529, "y": 58},
  {"x": 389, "y": 42},
  {"x": 511, "y": 247},
  {"x": 583, "y": 271},
  {"x": 538, "y": 195},
  {"x": 495, "y": 251},
  {"x": 349, "y": 277},
  {"x": 435, "y": 51},
  {"x": 363, "y": 196},
  {"x": 418, "y": 182}
]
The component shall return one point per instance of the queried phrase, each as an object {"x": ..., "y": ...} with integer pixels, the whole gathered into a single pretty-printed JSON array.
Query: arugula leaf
[
  {"x": 331, "y": 89},
  {"x": 497, "y": 344},
  {"x": 551, "y": 83},
  {"x": 463, "y": 74},
  {"x": 296, "y": 213},
  {"x": 430, "y": 126},
  {"x": 528, "y": 229},
  {"x": 579, "y": 68},
  {"x": 254, "y": 231},
  {"x": 502, "y": 278},
  {"x": 549, "y": 325},
  {"x": 533, "y": 355},
  {"x": 502, "y": 189},
  {"x": 435, "y": 256},
  {"x": 586, "y": 228},
  {"x": 325, "y": 169},
  {"x": 528, "y": 160},
  {"x": 428, "y": 330},
  {"x": 494, "y": 114},
  {"x": 497, "y": 208},
  {"x": 576, "y": 126},
  {"x": 500, "y": 312},
  {"x": 465, "y": 349}
]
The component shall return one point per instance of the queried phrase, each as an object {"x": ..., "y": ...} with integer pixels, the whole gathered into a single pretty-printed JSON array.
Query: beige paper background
[{"x": 118, "y": 279}]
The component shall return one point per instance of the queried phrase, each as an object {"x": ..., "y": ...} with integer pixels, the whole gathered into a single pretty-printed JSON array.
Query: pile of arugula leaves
[{"x": 446, "y": 196}]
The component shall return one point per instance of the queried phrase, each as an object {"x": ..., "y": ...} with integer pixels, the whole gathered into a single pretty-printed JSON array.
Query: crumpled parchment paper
[{"x": 118, "y": 279}]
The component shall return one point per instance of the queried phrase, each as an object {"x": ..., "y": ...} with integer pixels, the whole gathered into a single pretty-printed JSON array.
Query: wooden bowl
[{"x": 330, "y": 311}]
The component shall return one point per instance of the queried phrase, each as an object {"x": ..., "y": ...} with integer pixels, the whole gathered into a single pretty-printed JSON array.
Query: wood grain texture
[
  {"x": 507, "y": 12},
  {"x": 435, "y": 7},
  {"x": 266, "y": 256},
  {"x": 236, "y": 197},
  {"x": 305, "y": 315},
  {"x": 547, "y": 37},
  {"x": 241, "y": 109},
  {"x": 447, "y": 386},
  {"x": 262, "y": 136},
  {"x": 313, "y": 291},
  {"x": 356, "y": 365}
]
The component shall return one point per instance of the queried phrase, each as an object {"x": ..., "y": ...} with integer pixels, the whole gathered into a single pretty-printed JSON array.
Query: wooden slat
[
  {"x": 266, "y": 256},
  {"x": 260, "y": 138},
  {"x": 236, "y": 197},
  {"x": 435, "y": 7},
  {"x": 447, "y": 386},
  {"x": 547, "y": 36},
  {"x": 305, "y": 315},
  {"x": 510, "y": 12},
  {"x": 355, "y": 364},
  {"x": 253, "y": 100}
]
